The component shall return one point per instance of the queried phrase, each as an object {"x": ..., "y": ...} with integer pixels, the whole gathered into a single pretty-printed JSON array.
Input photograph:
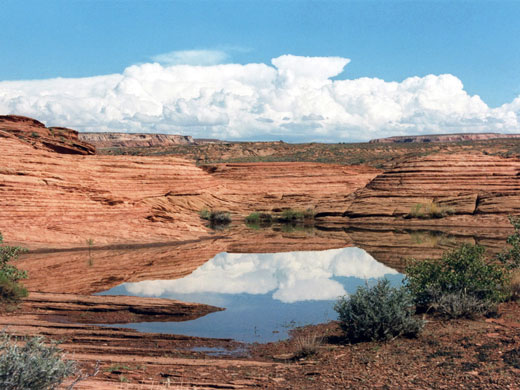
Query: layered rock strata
[
  {"x": 442, "y": 189},
  {"x": 33, "y": 132},
  {"x": 57, "y": 200},
  {"x": 96, "y": 309}
]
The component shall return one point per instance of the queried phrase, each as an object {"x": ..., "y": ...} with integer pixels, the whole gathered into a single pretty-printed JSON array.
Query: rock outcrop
[
  {"x": 134, "y": 140},
  {"x": 51, "y": 200},
  {"x": 451, "y": 186},
  {"x": 58, "y": 200},
  {"x": 56, "y": 139},
  {"x": 442, "y": 138},
  {"x": 97, "y": 309}
]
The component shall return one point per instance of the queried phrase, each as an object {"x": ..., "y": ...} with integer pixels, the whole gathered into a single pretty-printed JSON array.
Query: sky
[{"x": 296, "y": 70}]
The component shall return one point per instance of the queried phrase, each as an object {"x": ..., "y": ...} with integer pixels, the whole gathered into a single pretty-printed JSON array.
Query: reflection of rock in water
[
  {"x": 70, "y": 271},
  {"x": 393, "y": 246}
]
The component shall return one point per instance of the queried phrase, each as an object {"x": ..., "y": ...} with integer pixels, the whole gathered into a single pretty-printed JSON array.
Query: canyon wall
[
  {"x": 34, "y": 133},
  {"x": 453, "y": 189},
  {"x": 61, "y": 201}
]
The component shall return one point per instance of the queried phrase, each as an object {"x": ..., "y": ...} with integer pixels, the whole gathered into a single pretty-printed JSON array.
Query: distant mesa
[
  {"x": 442, "y": 138},
  {"x": 57, "y": 139},
  {"x": 140, "y": 140},
  {"x": 134, "y": 140}
]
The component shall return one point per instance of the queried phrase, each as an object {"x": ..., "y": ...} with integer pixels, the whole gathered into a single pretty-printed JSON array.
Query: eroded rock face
[
  {"x": 57, "y": 139},
  {"x": 268, "y": 187},
  {"x": 129, "y": 140},
  {"x": 451, "y": 186},
  {"x": 58, "y": 200}
]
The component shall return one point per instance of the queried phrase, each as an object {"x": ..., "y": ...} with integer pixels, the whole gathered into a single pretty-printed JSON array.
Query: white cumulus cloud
[
  {"x": 192, "y": 57},
  {"x": 294, "y": 98}
]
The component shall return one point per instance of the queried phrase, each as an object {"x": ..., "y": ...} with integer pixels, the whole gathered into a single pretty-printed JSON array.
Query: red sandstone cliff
[
  {"x": 457, "y": 185},
  {"x": 58, "y": 200},
  {"x": 33, "y": 132}
]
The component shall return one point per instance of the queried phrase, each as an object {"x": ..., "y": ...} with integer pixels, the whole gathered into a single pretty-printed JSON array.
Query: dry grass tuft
[
  {"x": 515, "y": 285},
  {"x": 306, "y": 345}
]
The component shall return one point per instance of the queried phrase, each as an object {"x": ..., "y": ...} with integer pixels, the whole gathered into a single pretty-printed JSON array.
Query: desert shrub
[
  {"x": 205, "y": 214},
  {"x": 33, "y": 365},
  {"x": 464, "y": 272},
  {"x": 429, "y": 210},
  {"x": 10, "y": 289},
  {"x": 515, "y": 284},
  {"x": 380, "y": 312},
  {"x": 511, "y": 257},
  {"x": 306, "y": 345},
  {"x": 290, "y": 215},
  {"x": 462, "y": 305},
  {"x": 259, "y": 218},
  {"x": 219, "y": 218},
  {"x": 215, "y": 218}
]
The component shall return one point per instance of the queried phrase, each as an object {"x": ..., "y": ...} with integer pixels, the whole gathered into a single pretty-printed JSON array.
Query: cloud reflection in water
[{"x": 290, "y": 276}]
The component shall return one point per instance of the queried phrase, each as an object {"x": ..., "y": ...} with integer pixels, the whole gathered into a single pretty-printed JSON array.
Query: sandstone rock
[
  {"x": 112, "y": 309},
  {"x": 57, "y": 139},
  {"x": 457, "y": 185}
]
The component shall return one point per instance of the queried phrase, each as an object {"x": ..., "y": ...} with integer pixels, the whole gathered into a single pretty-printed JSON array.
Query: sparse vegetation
[
  {"x": 290, "y": 215},
  {"x": 429, "y": 210},
  {"x": 287, "y": 217},
  {"x": 90, "y": 244},
  {"x": 515, "y": 284},
  {"x": 11, "y": 291},
  {"x": 464, "y": 275},
  {"x": 380, "y": 312},
  {"x": 259, "y": 218},
  {"x": 205, "y": 214},
  {"x": 461, "y": 305},
  {"x": 33, "y": 365},
  {"x": 511, "y": 257},
  {"x": 216, "y": 218},
  {"x": 306, "y": 345}
]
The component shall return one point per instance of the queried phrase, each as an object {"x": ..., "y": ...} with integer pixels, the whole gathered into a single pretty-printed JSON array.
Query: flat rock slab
[{"x": 110, "y": 309}]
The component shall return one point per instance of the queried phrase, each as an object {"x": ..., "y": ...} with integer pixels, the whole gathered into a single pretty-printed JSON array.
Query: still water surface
[{"x": 264, "y": 294}]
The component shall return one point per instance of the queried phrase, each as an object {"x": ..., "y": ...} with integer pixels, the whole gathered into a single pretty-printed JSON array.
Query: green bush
[
  {"x": 10, "y": 290},
  {"x": 290, "y": 215},
  {"x": 378, "y": 313},
  {"x": 33, "y": 366},
  {"x": 463, "y": 271},
  {"x": 205, "y": 214},
  {"x": 219, "y": 218},
  {"x": 511, "y": 257},
  {"x": 215, "y": 218},
  {"x": 259, "y": 218}
]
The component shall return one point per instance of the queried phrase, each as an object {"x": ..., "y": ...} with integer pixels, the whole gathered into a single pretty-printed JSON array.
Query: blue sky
[{"x": 475, "y": 41}]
